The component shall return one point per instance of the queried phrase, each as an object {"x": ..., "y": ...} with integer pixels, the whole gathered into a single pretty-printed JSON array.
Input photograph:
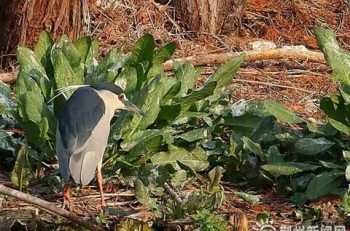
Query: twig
[
  {"x": 251, "y": 56},
  {"x": 47, "y": 206},
  {"x": 272, "y": 85},
  {"x": 173, "y": 193}
]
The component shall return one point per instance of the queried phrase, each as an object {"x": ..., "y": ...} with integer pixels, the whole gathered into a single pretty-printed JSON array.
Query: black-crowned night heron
[{"x": 82, "y": 133}]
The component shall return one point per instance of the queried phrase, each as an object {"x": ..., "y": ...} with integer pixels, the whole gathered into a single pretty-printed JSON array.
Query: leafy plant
[{"x": 209, "y": 221}]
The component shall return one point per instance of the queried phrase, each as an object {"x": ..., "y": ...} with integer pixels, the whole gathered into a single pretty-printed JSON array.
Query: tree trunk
[
  {"x": 21, "y": 22},
  {"x": 203, "y": 15}
]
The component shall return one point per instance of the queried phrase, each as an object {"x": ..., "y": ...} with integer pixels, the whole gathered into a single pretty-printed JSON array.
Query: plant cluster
[{"x": 185, "y": 130}]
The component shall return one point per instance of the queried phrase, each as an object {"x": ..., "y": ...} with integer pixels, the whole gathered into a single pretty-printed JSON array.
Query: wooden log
[
  {"x": 290, "y": 53},
  {"x": 203, "y": 15}
]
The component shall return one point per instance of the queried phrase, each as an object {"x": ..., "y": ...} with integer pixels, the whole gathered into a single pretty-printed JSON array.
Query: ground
[{"x": 298, "y": 85}]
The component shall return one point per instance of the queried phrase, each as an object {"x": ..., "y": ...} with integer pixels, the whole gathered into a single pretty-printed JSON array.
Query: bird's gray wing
[{"x": 80, "y": 115}]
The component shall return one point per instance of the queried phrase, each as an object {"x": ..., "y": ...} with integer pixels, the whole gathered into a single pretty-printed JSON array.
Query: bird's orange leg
[
  {"x": 100, "y": 183},
  {"x": 67, "y": 197}
]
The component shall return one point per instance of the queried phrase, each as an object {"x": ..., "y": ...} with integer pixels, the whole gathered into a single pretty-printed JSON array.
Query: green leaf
[
  {"x": 36, "y": 118},
  {"x": 224, "y": 75},
  {"x": 194, "y": 96},
  {"x": 323, "y": 184},
  {"x": 143, "y": 50},
  {"x": 42, "y": 50},
  {"x": 63, "y": 72},
  {"x": 196, "y": 160},
  {"x": 87, "y": 48},
  {"x": 337, "y": 58},
  {"x": 339, "y": 126},
  {"x": 32, "y": 68},
  {"x": 187, "y": 75},
  {"x": 194, "y": 135},
  {"x": 21, "y": 173},
  {"x": 127, "y": 79},
  {"x": 281, "y": 113},
  {"x": 162, "y": 55},
  {"x": 312, "y": 146},
  {"x": 346, "y": 155},
  {"x": 288, "y": 168},
  {"x": 179, "y": 178},
  {"x": 253, "y": 147}
]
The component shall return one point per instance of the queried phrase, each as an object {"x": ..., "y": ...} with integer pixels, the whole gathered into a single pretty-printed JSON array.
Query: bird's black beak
[{"x": 133, "y": 108}]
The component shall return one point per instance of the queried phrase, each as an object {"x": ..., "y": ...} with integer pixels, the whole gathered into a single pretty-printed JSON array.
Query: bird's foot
[{"x": 67, "y": 204}]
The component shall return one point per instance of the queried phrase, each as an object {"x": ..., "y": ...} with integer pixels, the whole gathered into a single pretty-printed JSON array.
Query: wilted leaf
[
  {"x": 142, "y": 195},
  {"x": 252, "y": 199},
  {"x": 312, "y": 146},
  {"x": 132, "y": 225},
  {"x": 21, "y": 173},
  {"x": 215, "y": 176},
  {"x": 179, "y": 178}
]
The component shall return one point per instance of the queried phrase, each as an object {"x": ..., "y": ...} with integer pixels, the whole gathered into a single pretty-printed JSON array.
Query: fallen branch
[
  {"x": 47, "y": 206},
  {"x": 294, "y": 53}
]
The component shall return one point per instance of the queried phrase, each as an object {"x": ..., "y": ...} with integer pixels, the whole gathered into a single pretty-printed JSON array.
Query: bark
[
  {"x": 203, "y": 15},
  {"x": 23, "y": 20}
]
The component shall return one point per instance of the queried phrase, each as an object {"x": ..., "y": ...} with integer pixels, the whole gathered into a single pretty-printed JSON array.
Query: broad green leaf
[
  {"x": 323, "y": 184},
  {"x": 224, "y": 75},
  {"x": 127, "y": 79},
  {"x": 253, "y": 147},
  {"x": 340, "y": 126},
  {"x": 347, "y": 173},
  {"x": 7, "y": 104},
  {"x": 87, "y": 48},
  {"x": 138, "y": 137},
  {"x": 312, "y": 146},
  {"x": 179, "y": 178},
  {"x": 169, "y": 112},
  {"x": 337, "y": 58},
  {"x": 281, "y": 113},
  {"x": 8, "y": 142},
  {"x": 288, "y": 168},
  {"x": 196, "y": 160},
  {"x": 32, "y": 68},
  {"x": 42, "y": 51},
  {"x": 160, "y": 56},
  {"x": 143, "y": 49},
  {"x": 187, "y": 75},
  {"x": 194, "y": 135},
  {"x": 197, "y": 95},
  {"x": 63, "y": 72},
  {"x": 21, "y": 173}
]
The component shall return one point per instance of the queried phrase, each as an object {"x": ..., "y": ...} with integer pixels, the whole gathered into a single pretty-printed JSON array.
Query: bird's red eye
[{"x": 121, "y": 97}]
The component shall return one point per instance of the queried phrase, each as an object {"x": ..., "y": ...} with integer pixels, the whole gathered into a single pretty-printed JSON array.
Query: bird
[{"x": 82, "y": 134}]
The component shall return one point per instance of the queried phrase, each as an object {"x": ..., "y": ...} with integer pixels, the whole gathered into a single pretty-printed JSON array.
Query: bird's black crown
[{"x": 110, "y": 87}]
